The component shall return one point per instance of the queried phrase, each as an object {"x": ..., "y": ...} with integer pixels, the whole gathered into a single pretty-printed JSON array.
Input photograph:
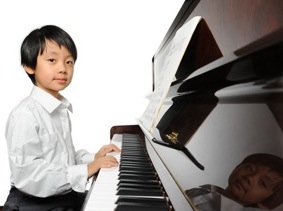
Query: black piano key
[
  {"x": 134, "y": 162},
  {"x": 135, "y": 168},
  {"x": 134, "y": 146},
  {"x": 137, "y": 173},
  {"x": 132, "y": 152},
  {"x": 127, "y": 140},
  {"x": 140, "y": 186},
  {"x": 134, "y": 155},
  {"x": 129, "y": 163},
  {"x": 137, "y": 176},
  {"x": 130, "y": 137},
  {"x": 130, "y": 206},
  {"x": 137, "y": 146},
  {"x": 133, "y": 149},
  {"x": 138, "y": 181},
  {"x": 139, "y": 192},
  {"x": 138, "y": 164},
  {"x": 135, "y": 159},
  {"x": 147, "y": 200},
  {"x": 138, "y": 167}
]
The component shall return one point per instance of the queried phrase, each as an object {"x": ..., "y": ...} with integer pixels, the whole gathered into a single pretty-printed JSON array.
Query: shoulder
[
  {"x": 21, "y": 117},
  {"x": 24, "y": 109}
]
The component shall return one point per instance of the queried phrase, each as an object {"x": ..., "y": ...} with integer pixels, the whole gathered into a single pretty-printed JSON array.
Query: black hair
[
  {"x": 274, "y": 162},
  {"x": 34, "y": 44}
]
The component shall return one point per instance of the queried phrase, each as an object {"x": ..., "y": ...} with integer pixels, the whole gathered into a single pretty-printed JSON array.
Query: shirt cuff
[
  {"x": 84, "y": 157},
  {"x": 87, "y": 158},
  {"x": 77, "y": 177}
]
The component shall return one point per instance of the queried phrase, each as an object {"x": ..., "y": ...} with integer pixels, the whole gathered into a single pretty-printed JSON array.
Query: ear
[{"x": 29, "y": 70}]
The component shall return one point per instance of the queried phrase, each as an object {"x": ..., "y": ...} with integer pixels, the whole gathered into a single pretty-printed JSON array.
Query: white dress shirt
[{"x": 43, "y": 160}]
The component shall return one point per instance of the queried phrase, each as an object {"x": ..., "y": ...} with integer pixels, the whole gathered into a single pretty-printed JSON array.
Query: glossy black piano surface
[{"x": 225, "y": 103}]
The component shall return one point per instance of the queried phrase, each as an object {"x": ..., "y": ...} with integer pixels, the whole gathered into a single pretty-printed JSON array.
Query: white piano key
[{"x": 102, "y": 195}]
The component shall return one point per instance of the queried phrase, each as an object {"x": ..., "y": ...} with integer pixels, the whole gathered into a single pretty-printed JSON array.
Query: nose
[
  {"x": 251, "y": 179},
  {"x": 62, "y": 69}
]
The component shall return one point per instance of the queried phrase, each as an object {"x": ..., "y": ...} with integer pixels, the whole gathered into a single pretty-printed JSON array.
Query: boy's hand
[
  {"x": 106, "y": 149},
  {"x": 101, "y": 162}
]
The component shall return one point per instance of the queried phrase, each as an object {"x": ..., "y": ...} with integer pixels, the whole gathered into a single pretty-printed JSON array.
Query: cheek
[
  {"x": 70, "y": 76},
  {"x": 234, "y": 176},
  {"x": 255, "y": 195},
  {"x": 43, "y": 76},
  {"x": 71, "y": 73}
]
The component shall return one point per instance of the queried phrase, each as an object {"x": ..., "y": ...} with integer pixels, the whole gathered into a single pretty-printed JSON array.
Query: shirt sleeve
[
  {"x": 77, "y": 175},
  {"x": 84, "y": 157},
  {"x": 34, "y": 170}
]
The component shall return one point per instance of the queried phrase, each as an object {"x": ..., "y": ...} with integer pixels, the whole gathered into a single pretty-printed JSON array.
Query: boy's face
[
  {"x": 252, "y": 183},
  {"x": 54, "y": 69}
]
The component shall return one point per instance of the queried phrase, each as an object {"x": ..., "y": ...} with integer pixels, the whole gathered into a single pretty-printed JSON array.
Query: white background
[{"x": 116, "y": 41}]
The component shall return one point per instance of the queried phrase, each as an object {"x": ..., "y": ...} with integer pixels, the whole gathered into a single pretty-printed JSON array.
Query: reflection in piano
[{"x": 224, "y": 103}]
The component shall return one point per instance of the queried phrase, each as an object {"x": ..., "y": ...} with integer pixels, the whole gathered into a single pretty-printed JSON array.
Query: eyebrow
[{"x": 52, "y": 52}]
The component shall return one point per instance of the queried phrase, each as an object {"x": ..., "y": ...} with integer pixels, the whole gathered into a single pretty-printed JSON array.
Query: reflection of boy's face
[{"x": 252, "y": 183}]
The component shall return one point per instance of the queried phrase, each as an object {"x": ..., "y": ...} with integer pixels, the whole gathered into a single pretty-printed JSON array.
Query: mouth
[{"x": 61, "y": 80}]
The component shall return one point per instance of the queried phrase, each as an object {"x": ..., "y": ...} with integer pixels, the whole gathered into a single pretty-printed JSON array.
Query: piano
[{"x": 221, "y": 103}]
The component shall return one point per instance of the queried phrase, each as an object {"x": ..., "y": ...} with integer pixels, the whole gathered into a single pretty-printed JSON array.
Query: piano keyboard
[{"x": 134, "y": 185}]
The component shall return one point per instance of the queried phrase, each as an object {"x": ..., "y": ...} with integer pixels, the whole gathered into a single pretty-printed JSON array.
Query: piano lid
[{"x": 224, "y": 104}]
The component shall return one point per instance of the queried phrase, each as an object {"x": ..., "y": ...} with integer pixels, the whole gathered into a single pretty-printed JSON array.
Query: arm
[{"x": 40, "y": 163}]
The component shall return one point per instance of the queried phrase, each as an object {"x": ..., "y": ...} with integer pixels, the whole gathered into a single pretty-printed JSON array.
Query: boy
[
  {"x": 46, "y": 171},
  {"x": 257, "y": 182}
]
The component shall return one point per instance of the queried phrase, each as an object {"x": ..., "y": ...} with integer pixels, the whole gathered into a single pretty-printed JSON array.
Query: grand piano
[{"x": 222, "y": 103}]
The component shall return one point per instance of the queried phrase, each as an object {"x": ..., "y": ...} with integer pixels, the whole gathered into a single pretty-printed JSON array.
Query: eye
[
  {"x": 70, "y": 62},
  {"x": 51, "y": 60},
  {"x": 262, "y": 184}
]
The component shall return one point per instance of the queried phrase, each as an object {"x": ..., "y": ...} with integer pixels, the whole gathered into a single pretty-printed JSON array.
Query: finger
[
  {"x": 113, "y": 147},
  {"x": 111, "y": 158},
  {"x": 109, "y": 164}
]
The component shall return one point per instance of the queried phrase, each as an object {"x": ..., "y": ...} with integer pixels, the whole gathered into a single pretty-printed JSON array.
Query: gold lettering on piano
[{"x": 173, "y": 137}]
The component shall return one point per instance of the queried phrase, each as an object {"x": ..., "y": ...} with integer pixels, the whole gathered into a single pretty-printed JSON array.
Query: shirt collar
[
  {"x": 229, "y": 204},
  {"x": 49, "y": 102}
]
